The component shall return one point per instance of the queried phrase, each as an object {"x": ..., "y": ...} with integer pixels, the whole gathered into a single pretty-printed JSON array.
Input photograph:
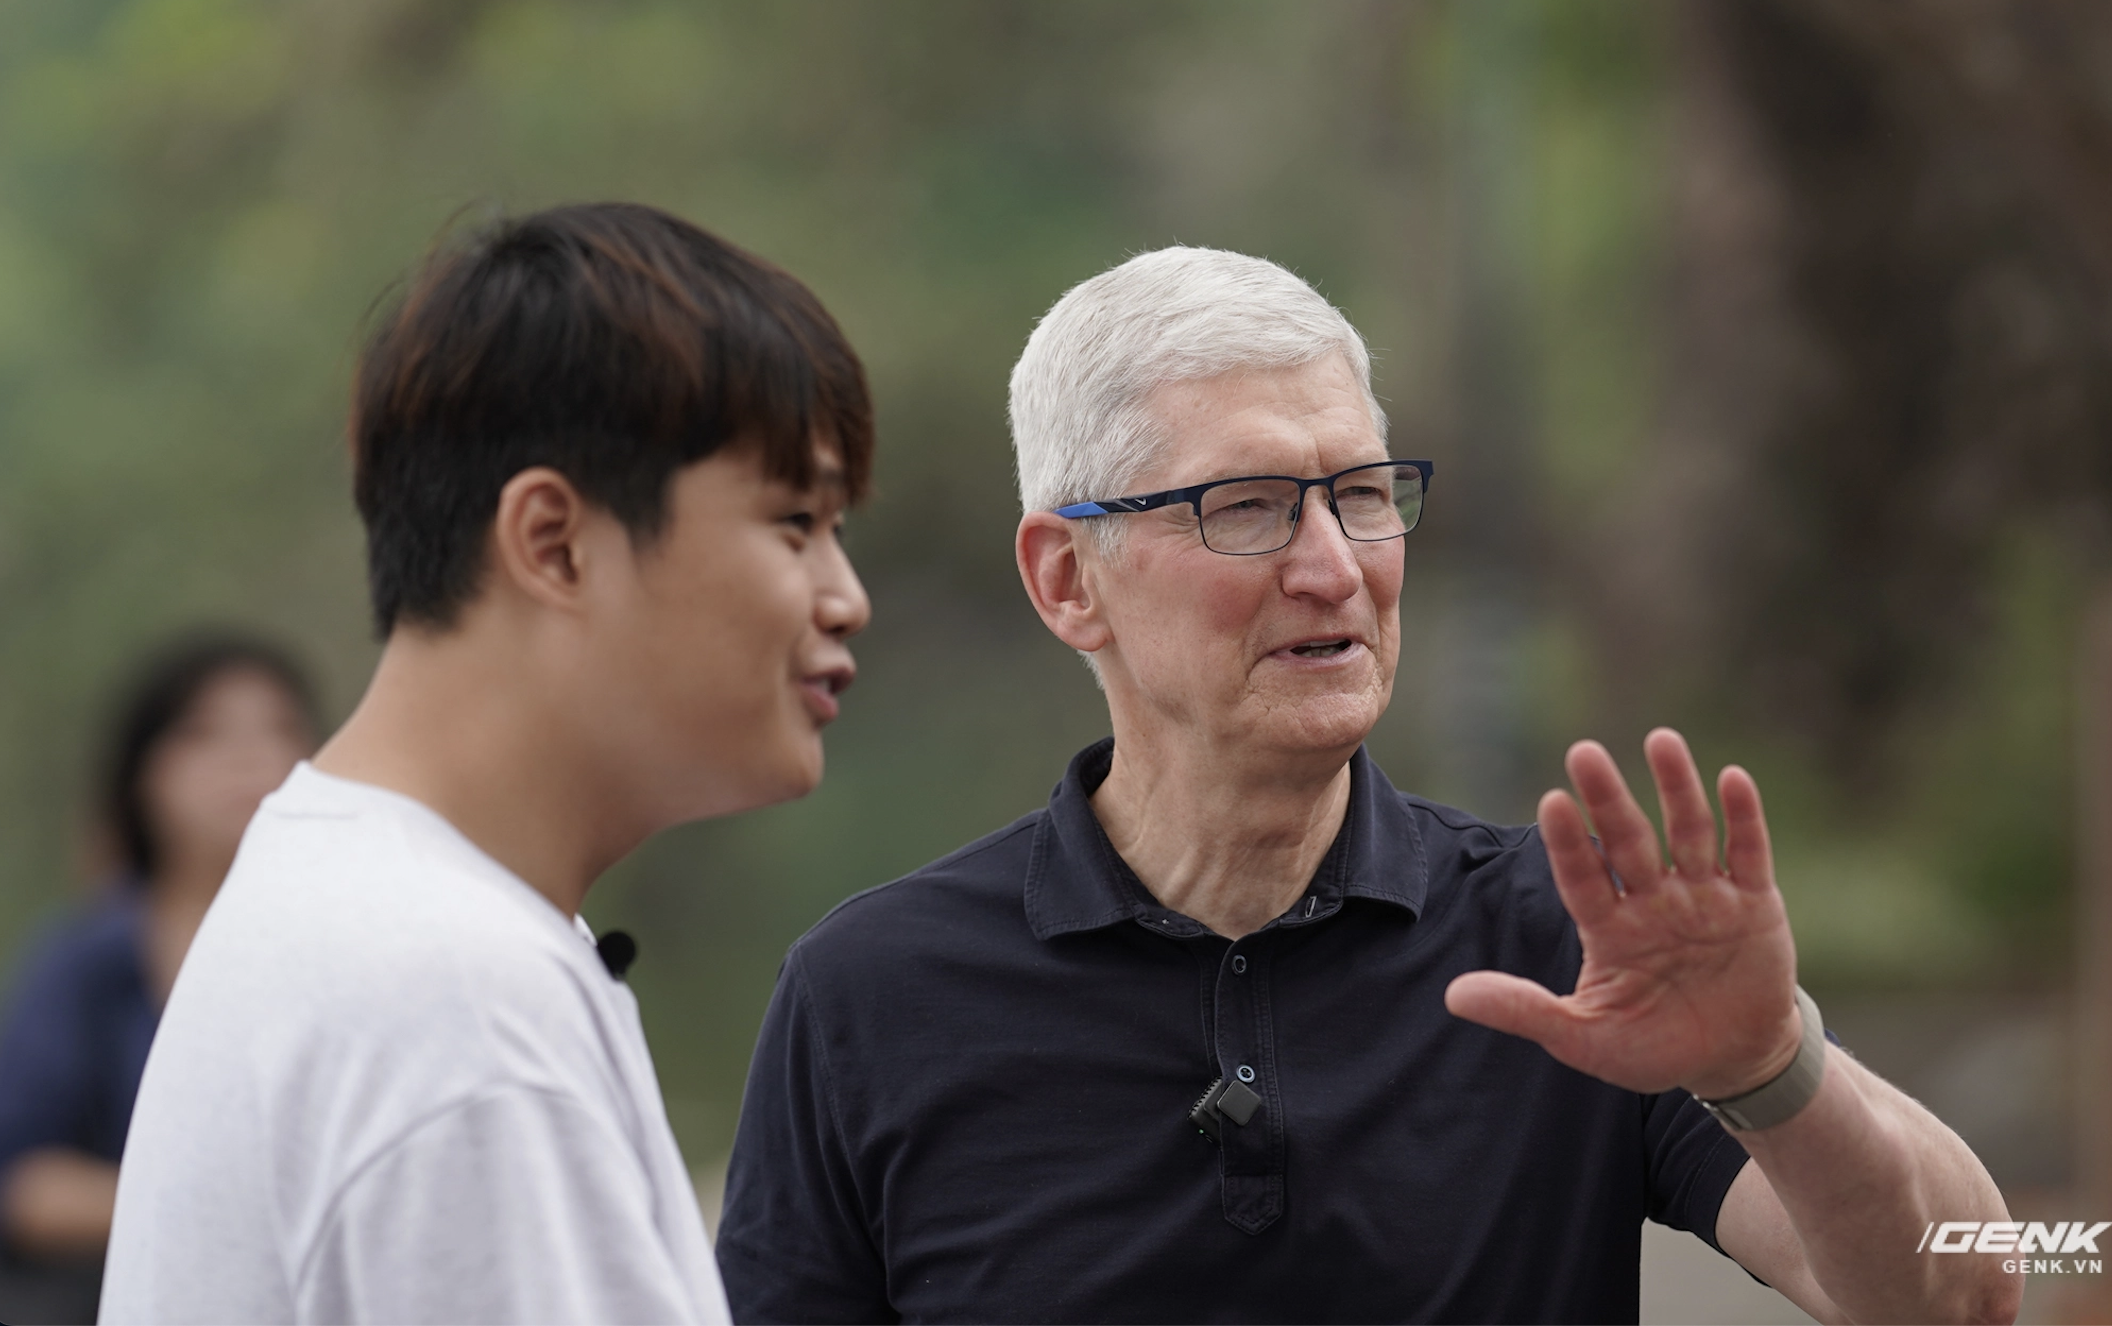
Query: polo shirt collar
[{"x": 1076, "y": 881}]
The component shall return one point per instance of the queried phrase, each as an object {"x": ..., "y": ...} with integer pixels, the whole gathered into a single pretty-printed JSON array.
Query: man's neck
[
  {"x": 1230, "y": 846},
  {"x": 466, "y": 733}
]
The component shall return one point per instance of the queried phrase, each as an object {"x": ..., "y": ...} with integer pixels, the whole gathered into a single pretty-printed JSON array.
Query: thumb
[{"x": 1509, "y": 1004}]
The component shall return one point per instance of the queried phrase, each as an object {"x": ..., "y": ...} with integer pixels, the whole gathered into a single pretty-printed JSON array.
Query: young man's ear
[
  {"x": 538, "y": 537},
  {"x": 1059, "y": 580}
]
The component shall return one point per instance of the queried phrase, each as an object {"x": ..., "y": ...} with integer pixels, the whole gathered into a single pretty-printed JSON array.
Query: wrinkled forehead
[{"x": 1306, "y": 420}]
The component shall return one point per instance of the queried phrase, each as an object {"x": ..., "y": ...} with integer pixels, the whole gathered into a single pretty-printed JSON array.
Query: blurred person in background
[{"x": 210, "y": 726}]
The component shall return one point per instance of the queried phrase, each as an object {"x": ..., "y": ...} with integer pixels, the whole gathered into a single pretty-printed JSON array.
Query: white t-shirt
[{"x": 395, "y": 1084}]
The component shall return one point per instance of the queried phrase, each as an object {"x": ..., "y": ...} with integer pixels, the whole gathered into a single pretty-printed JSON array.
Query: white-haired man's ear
[{"x": 1061, "y": 577}]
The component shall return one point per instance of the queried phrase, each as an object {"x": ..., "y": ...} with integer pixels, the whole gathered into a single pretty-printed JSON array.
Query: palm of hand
[{"x": 1689, "y": 969}]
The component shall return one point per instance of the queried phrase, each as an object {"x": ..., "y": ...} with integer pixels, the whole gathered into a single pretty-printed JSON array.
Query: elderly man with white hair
[{"x": 1220, "y": 1033}]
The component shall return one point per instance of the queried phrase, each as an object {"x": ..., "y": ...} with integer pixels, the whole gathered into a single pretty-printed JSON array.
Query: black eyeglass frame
[{"x": 1193, "y": 496}]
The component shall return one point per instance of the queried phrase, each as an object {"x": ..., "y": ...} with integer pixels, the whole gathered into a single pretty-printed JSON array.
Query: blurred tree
[
  {"x": 1891, "y": 323},
  {"x": 1882, "y": 484}
]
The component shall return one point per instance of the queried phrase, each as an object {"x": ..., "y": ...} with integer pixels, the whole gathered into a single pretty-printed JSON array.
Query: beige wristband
[{"x": 1779, "y": 1099}]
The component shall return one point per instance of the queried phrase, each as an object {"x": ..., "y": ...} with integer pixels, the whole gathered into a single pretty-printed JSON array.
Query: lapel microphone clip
[
  {"x": 1220, "y": 1101},
  {"x": 618, "y": 951}
]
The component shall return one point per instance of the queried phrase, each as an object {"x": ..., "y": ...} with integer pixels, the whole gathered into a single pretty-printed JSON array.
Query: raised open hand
[{"x": 1689, "y": 970}]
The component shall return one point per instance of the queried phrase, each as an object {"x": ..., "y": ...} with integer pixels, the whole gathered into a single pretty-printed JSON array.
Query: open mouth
[
  {"x": 1320, "y": 648},
  {"x": 821, "y": 690},
  {"x": 835, "y": 683}
]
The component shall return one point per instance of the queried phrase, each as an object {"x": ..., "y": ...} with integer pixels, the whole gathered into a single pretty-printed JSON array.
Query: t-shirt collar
[{"x": 1076, "y": 881}]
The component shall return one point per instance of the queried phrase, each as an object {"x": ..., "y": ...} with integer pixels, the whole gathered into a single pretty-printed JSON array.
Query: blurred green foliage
[{"x": 201, "y": 201}]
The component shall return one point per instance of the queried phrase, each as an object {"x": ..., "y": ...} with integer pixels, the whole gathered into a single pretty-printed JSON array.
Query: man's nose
[
  {"x": 1321, "y": 560},
  {"x": 841, "y": 607}
]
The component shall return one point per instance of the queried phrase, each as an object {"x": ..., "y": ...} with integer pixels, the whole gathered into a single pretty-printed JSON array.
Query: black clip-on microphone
[
  {"x": 618, "y": 951},
  {"x": 1220, "y": 1101}
]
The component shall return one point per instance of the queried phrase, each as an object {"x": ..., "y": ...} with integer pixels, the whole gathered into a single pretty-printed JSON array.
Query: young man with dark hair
[{"x": 602, "y": 458}]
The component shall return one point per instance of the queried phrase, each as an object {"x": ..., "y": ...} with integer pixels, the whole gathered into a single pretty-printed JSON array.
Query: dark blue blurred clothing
[{"x": 75, "y": 1031}]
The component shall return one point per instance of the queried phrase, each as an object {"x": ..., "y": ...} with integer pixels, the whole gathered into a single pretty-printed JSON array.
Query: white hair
[{"x": 1080, "y": 427}]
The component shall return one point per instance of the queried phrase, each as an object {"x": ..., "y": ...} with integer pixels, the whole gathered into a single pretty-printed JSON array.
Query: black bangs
[{"x": 612, "y": 342}]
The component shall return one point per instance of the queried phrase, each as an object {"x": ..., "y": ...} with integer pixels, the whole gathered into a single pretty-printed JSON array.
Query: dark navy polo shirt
[{"x": 970, "y": 1098}]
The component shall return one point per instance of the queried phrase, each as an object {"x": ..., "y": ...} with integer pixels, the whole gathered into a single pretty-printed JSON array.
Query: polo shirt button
[
  {"x": 1245, "y": 1073},
  {"x": 1239, "y": 964}
]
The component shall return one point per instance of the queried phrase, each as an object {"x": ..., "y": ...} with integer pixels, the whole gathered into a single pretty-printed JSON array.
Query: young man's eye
[{"x": 803, "y": 521}]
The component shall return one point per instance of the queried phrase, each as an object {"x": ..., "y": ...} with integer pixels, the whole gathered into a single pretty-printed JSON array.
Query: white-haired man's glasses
[{"x": 1259, "y": 513}]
